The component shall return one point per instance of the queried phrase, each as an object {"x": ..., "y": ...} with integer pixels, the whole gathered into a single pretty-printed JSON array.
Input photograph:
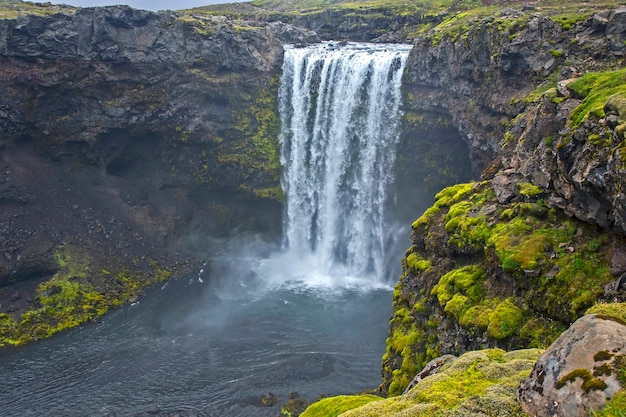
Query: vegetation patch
[
  {"x": 517, "y": 274},
  {"x": 477, "y": 383},
  {"x": 609, "y": 309},
  {"x": 14, "y": 9},
  {"x": 594, "y": 89},
  {"x": 75, "y": 295},
  {"x": 333, "y": 406},
  {"x": 256, "y": 120}
]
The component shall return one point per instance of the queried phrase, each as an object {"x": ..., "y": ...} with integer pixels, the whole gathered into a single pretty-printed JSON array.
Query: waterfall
[{"x": 339, "y": 107}]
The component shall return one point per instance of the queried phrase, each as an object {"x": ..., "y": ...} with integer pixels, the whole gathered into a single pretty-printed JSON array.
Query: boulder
[{"x": 578, "y": 373}]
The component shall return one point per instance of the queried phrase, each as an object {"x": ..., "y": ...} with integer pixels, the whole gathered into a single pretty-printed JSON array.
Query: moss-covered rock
[
  {"x": 78, "y": 293},
  {"x": 512, "y": 275},
  {"x": 580, "y": 372},
  {"x": 479, "y": 383},
  {"x": 609, "y": 309}
]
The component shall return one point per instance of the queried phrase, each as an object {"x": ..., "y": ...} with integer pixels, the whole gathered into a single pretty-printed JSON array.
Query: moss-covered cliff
[{"x": 513, "y": 260}]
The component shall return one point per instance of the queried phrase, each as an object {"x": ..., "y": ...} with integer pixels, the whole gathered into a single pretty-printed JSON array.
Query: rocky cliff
[
  {"x": 130, "y": 141},
  {"x": 513, "y": 260}
]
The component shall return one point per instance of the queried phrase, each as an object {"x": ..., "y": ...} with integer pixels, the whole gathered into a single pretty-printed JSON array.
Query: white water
[{"x": 339, "y": 107}]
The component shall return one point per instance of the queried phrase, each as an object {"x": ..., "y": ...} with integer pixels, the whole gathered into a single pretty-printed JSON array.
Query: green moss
[
  {"x": 444, "y": 198},
  {"x": 256, "y": 122},
  {"x": 529, "y": 190},
  {"x": 14, "y": 9},
  {"x": 476, "y": 316},
  {"x": 589, "y": 381},
  {"x": 557, "y": 53},
  {"x": 73, "y": 296},
  {"x": 505, "y": 320},
  {"x": 478, "y": 383},
  {"x": 544, "y": 90},
  {"x": 294, "y": 407},
  {"x": 467, "y": 227},
  {"x": 467, "y": 281},
  {"x": 602, "y": 355},
  {"x": 333, "y": 406},
  {"x": 594, "y": 89},
  {"x": 416, "y": 263},
  {"x": 609, "y": 309},
  {"x": 567, "y": 20},
  {"x": 584, "y": 374},
  {"x": 615, "y": 407},
  {"x": 458, "y": 305},
  {"x": 540, "y": 332},
  {"x": 593, "y": 385},
  {"x": 518, "y": 244}
]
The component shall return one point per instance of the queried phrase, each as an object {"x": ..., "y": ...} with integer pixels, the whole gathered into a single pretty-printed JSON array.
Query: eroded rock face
[
  {"x": 577, "y": 373},
  {"x": 485, "y": 76}
]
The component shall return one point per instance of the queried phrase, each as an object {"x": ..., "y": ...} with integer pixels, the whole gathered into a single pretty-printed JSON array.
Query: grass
[
  {"x": 594, "y": 89},
  {"x": 13, "y": 10}
]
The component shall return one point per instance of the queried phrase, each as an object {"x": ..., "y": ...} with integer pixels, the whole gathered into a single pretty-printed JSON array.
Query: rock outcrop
[
  {"x": 490, "y": 74},
  {"x": 580, "y": 371}
]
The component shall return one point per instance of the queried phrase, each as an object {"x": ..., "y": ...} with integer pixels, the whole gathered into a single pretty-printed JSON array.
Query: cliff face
[
  {"x": 129, "y": 137},
  {"x": 513, "y": 260},
  {"x": 130, "y": 140}
]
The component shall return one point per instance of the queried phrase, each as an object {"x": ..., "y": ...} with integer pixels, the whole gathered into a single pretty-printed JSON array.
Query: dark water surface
[{"x": 203, "y": 346}]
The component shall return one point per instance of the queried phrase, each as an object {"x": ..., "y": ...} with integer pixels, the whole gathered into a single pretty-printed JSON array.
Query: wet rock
[
  {"x": 616, "y": 24},
  {"x": 618, "y": 256},
  {"x": 618, "y": 286},
  {"x": 269, "y": 399},
  {"x": 577, "y": 373},
  {"x": 295, "y": 406}
]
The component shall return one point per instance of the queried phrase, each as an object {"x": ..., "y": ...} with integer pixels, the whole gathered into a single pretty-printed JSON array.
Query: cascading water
[
  {"x": 213, "y": 346},
  {"x": 339, "y": 106}
]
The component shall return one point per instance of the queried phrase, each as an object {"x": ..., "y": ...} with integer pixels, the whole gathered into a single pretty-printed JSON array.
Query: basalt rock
[{"x": 486, "y": 72}]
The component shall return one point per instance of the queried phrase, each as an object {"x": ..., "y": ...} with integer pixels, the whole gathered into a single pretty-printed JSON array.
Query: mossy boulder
[
  {"x": 580, "y": 372},
  {"x": 479, "y": 383}
]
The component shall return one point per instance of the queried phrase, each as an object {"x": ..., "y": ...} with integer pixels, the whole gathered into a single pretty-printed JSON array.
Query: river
[{"x": 215, "y": 350}]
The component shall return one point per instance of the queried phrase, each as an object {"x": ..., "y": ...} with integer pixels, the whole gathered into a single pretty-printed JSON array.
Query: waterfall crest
[{"x": 339, "y": 107}]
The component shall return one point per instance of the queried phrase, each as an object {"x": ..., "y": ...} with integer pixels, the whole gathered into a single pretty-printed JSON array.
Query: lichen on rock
[{"x": 580, "y": 372}]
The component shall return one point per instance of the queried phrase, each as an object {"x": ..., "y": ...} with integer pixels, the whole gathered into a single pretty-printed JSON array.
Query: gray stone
[
  {"x": 571, "y": 379},
  {"x": 504, "y": 188}
]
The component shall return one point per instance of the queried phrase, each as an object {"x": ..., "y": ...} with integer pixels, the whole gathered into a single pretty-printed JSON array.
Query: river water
[
  {"x": 309, "y": 317},
  {"x": 195, "y": 346}
]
